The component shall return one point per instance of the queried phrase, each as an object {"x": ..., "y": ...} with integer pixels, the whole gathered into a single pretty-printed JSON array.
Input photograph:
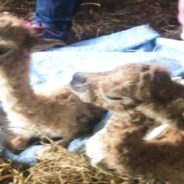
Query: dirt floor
[{"x": 99, "y": 17}]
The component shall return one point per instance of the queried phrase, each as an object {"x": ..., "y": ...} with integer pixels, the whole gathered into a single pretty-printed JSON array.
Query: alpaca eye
[
  {"x": 4, "y": 50},
  {"x": 114, "y": 98}
]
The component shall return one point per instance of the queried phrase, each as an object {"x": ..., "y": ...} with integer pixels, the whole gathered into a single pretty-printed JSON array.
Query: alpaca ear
[
  {"x": 40, "y": 44},
  {"x": 157, "y": 75},
  {"x": 158, "y": 81},
  {"x": 154, "y": 83},
  {"x": 178, "y": 106}
]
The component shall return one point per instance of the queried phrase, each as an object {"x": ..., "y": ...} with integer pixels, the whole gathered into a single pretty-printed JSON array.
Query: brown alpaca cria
[
  {"x": 59, "y": 113},
  {"x": 148, "y": 88},
  {"x": 140, "y": 96}
]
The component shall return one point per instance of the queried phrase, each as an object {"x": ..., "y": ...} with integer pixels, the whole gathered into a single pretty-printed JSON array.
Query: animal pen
[{"x": 52, "y": 161}]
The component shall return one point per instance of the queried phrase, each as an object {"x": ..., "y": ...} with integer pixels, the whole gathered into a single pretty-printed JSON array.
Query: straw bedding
[
  {"x": 61, "y": 167},
  {"x": 9, "y": 174}
]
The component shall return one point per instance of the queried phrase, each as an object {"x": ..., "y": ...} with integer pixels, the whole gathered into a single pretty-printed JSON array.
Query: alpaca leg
[
  {"x": 96, "y": 145},
  {"x": 94, "y": 148}
]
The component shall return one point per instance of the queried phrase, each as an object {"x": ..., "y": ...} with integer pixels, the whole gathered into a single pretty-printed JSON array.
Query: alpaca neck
[
  {"x": 14, "y": 81},
  {"x": 137, "y": 126},
  {"x": 168, "y": 108},
  {"x": 131, "y": 127},
  {"x": 124, "y": 138}
]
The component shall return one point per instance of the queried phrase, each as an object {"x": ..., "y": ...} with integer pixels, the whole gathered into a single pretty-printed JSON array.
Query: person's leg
[{"x": 56, "y": 15}]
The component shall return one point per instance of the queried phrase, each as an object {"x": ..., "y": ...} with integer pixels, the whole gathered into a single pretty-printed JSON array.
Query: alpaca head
[
  {"x": 126, "y": 86},
  {"x": 14, "y": 36}
]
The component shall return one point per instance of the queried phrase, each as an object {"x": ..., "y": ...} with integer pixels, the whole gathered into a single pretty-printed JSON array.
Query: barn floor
[{"x": 99, "y": 17}]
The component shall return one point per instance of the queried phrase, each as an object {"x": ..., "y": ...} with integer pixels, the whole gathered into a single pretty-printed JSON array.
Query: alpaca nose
[{"x": 79, "y": 78}]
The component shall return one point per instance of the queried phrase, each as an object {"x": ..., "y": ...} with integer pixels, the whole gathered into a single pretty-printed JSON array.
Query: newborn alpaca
[
  {"x": 60, "y": 114},
  {"x": 148, "y": 88},
  {"x": 121, "y": 143}
]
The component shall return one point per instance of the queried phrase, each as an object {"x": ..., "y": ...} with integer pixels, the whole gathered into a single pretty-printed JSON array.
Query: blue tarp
[{"x": 139, "y": 44}]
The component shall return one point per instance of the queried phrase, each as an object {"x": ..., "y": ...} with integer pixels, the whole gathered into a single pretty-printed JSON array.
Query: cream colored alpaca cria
[
  {"x": 59, "y": 113},
  {"x": 141, "y": 97}
]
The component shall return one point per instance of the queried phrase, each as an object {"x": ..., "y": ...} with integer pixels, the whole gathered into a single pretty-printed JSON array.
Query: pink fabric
[
  {"x": 181, "y": 16},
  {"x": 37, "y": 27},
  {"x": 31, "y": 25},
  {"x": 181, "y": 11}
]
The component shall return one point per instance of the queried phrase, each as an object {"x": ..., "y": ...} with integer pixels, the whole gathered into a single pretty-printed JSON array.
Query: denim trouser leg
[{"x": 56, "y": 14}]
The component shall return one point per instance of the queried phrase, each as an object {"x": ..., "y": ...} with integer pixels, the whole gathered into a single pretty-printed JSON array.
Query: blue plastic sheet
[{"x": 139, "y": 44}]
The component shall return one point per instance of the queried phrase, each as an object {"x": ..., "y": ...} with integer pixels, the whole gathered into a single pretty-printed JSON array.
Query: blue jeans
[{"x": 56, "y": 14}]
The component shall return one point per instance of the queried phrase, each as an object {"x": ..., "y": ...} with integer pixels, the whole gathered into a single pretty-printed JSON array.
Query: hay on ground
[
  {"x": 9, "y": 174},
  {"x": 62, "y": 167}
]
